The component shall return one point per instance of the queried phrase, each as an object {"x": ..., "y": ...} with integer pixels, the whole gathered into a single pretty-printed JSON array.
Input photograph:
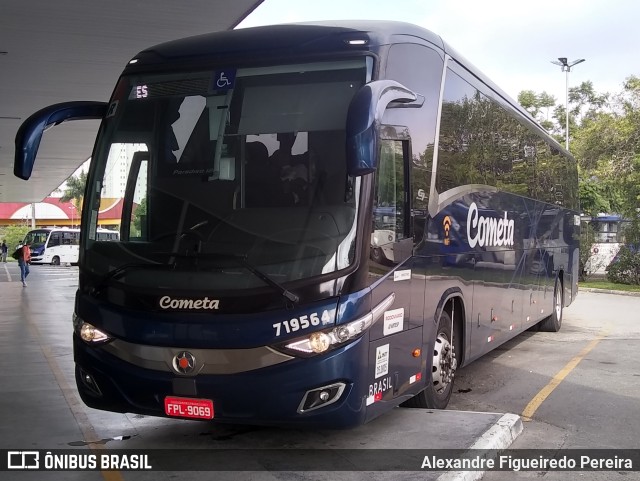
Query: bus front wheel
[
  {"x": 55, "y": 261},
  {"x": 553, "y": 323},
  {"x": 437, "y": 393}
]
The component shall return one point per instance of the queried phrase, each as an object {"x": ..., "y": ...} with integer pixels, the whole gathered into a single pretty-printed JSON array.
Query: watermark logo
[
  {"x": 73, "y": 460},
  {"x": 23, "y": 460}
]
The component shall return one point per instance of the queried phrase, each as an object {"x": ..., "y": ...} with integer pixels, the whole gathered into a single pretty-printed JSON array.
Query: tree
[
  {"x": 605, "y": 139},
  {"x": 560, "y": 118},
  {"x": 533, "y": 103},
  {"x": 586, "y": 100},
  {"x": 529, "y": 100},
  {"x": 137, "y": 218},
  {"x": 546, "y": 101},
  {"x": 593, "y": 199},
  {"x": 13, "y": 235},
  {"x": 607, "y": 146},
  {"x": 75, "y": 189},
  {"x": 625, "y": 268}
]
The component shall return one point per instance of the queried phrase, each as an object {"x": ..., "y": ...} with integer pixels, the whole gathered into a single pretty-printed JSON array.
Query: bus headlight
[
  {"x": 319, "y": 342},
  {"x": 88, "y": 332}
]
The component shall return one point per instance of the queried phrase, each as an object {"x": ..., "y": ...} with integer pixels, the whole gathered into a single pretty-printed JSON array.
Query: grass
[{"x": 602, "y": 284}]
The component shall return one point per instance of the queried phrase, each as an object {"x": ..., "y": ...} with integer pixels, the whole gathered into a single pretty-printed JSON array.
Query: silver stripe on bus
[{"x": 207, "y": 361}]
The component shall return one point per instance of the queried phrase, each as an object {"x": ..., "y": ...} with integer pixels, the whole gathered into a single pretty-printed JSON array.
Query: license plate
[{"x": 184, "y": 407}]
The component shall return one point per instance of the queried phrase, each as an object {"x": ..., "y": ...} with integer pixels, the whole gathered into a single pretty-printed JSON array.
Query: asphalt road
[{"x": 593, "y": 365}]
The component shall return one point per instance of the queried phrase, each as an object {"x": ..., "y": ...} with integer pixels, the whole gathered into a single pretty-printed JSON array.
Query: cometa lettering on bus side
[
  {"x": 167, "y": 302},
  {"x": 488, "y": 231}
]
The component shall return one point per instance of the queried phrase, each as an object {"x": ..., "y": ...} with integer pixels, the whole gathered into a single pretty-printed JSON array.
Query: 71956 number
[{"x": 305, "y": 321}]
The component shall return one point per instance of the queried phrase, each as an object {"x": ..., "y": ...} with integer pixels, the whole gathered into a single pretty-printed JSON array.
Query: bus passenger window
[
  {"x": 54, "y": 240},
  {"x": 70, "y": 238}
]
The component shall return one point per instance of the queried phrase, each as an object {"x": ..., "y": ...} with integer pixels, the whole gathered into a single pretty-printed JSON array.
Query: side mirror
[
  {"x": 30, "y": 132},
  {"x": 364, "y": 117}
]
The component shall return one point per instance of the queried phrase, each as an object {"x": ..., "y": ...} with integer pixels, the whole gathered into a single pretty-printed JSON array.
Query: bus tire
[
  {"x": 437, "y": 393},
  {"x": 55, "y": 261},
  {"x": 553, "y": 323}
]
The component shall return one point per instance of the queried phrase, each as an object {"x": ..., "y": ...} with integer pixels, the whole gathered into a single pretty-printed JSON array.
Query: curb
[
  {"x": 608, "y": 291},
  {"x": 497, "y": 437}
]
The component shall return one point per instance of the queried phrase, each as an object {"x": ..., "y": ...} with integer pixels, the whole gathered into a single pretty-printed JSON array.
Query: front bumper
[{"x": 266, "y": 396}]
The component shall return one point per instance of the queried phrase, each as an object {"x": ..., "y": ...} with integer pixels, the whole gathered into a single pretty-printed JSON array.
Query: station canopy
[{"x": 63, "y": 50}]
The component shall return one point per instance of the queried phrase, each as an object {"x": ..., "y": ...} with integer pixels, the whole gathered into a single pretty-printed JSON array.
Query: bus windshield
[
  {"x": 228, "y": 172},
  {"x": 37, "y": 238}
]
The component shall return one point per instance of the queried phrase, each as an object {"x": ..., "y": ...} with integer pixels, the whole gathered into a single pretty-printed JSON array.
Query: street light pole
[{"x": 566, "y": 67}]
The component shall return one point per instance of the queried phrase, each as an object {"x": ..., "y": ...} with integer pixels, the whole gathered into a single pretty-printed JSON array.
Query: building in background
[
  {"x": 52, "y": 212},
  {"x": 117, "y": 172}
]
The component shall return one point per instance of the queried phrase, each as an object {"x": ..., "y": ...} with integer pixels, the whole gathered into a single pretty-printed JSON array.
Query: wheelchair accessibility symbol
[{"x": 224, "y": 79}]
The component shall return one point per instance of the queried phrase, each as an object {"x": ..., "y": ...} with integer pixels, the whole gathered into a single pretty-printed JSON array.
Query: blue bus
[{"x": 262, "y": 162}]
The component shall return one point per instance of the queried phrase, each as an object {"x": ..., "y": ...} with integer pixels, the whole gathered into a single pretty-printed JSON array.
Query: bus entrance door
[{"x": 395, "y": 358}]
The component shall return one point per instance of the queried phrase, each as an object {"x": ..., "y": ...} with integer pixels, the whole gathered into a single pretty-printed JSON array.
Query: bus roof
[
  {"x": 283, "y": 40},
  {"x": 304, "y": 39}
]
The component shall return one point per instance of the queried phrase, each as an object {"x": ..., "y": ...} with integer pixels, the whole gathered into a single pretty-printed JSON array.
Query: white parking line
[
  {"x": 6, "y": 269},
  {"x": 57, "y": 274}
]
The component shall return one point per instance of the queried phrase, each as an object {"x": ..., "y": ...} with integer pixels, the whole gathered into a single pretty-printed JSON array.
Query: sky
[{"x": 511, "y": 41}]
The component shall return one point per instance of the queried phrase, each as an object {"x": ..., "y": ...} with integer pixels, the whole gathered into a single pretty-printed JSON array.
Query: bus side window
[
  {"x": 418, "y": 68},
  {"x": 389, "y": 198},
  {"x": 390, "y": 238},
  {"x": 54, "y": 240}
]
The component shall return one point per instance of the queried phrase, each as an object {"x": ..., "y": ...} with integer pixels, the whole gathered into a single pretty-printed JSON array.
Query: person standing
[
  {"x": 23, "y": 261},
  {"x": 3, "y": 253},
  {"x": 294, "y": 173}
]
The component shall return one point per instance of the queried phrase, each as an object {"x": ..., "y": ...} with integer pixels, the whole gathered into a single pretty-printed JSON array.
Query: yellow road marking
[
  {"x": 544, "y": 393},
  {"x": 75, "y": 405}
]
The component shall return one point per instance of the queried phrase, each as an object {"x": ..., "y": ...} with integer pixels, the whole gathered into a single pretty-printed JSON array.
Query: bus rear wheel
[
  {"x": 55, "y": 261},
  {"x": 443, "y": 367}
]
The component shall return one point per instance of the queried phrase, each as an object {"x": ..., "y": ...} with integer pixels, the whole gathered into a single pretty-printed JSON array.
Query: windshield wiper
[
  {"x": 265, "y": 278},
  {"x": 241, "y": 260}
]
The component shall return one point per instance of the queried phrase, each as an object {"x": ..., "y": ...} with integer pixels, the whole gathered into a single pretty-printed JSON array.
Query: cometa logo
[
  {"x": 167, "y": 302},
  {"x": 446, "y": 225},
  {"x": 488, "y": 231}
]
